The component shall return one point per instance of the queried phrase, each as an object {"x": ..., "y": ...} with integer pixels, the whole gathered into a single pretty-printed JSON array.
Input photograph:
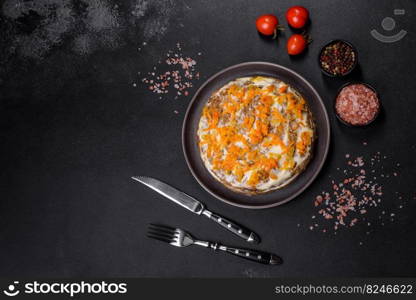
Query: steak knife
[{"x": 196, "y": 207}]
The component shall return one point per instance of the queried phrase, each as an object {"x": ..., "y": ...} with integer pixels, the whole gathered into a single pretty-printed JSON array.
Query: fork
[{"x": 180, "y": 238}]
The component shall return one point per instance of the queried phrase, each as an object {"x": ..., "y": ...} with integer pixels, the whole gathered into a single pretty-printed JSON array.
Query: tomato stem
[
  {"x": 276, "y": 31},
  {"x": 307, "y": 37}
]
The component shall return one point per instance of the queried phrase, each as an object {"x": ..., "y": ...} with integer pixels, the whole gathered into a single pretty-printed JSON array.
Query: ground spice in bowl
[
  {"x": 337, "y": 58},
  {"x": 357, "y": 104}
]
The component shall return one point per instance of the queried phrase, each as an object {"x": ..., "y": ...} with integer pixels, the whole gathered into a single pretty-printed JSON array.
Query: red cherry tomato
[
  {"x": 296, "y": 44},
  {"x": 297, "y": 16},
  {"x": 267, "y": 24}
]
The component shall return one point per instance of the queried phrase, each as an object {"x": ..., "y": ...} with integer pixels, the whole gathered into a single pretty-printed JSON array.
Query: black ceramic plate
[{"x": 190, "y": 140}]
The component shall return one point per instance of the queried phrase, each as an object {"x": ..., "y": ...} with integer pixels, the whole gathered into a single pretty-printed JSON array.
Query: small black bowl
[
  {"x": 338, "y": 75},
  {"x": 345, "y": 122}
]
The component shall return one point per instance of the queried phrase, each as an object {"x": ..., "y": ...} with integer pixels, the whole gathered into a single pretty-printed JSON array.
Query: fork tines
[{"x": 161, "y": 232}]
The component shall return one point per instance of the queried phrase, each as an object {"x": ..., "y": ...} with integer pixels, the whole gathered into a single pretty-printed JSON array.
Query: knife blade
[{"x": 196, "y": 207}]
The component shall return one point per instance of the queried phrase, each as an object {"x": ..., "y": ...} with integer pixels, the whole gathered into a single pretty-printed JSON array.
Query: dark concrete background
[{"x": 73, "y": 129}]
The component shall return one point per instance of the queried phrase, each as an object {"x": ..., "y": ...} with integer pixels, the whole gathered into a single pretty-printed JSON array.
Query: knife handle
[
  {"x": 250, "y": 254},
  {"x": 235, "y": 228}
]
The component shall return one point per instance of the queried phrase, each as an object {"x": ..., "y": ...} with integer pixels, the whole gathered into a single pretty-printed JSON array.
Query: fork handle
[
  {"x": 249, "y": 254},
  {"x": 235, "y": 228}
]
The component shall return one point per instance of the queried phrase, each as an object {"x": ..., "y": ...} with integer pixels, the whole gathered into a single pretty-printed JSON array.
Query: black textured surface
[{"x": 73, "y": 130}]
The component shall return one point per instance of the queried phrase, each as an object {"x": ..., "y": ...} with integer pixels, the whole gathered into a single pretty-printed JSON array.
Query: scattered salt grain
[
  {"x": 353, "y": 196},
  {"x": 177, "y": 79}
]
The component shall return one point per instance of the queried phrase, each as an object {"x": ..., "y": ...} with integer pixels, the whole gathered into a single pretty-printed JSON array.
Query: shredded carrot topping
[{"x": 249, "y": 120}]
